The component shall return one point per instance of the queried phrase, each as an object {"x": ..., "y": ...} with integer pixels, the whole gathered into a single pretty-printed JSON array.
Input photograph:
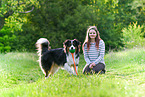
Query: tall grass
[{"x": 20, "y": 75}]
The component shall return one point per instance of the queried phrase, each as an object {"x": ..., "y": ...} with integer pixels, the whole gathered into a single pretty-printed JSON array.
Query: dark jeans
[{"x": 99, "y": 67}]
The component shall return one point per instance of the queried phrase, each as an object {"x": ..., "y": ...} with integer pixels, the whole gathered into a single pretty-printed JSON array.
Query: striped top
[{"x": 93, "y": 54}]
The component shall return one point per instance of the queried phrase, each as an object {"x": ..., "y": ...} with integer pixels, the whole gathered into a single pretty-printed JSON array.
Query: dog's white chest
[{"x": 70, "y": 59}]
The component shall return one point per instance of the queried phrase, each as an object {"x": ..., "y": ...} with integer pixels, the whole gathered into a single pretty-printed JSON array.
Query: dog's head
[{"x": 72, "y": 45}]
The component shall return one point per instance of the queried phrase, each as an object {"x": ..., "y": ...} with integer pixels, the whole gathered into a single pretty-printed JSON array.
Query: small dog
[{"x": 51, "y": 59}]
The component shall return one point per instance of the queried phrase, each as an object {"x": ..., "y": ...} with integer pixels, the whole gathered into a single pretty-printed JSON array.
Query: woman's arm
[
  {"x": 102, "y": 52},
  {"x": 86, "y": 57}
]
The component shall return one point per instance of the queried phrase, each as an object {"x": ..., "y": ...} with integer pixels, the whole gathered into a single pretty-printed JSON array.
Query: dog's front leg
[
  {"x": 76, "y": 68},
  {"x": 77, "y": 62},
  {"x": 68, "y": 68}
]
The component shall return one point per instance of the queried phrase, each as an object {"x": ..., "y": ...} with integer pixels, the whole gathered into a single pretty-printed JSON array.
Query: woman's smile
[{"x": 92, "y": 34}]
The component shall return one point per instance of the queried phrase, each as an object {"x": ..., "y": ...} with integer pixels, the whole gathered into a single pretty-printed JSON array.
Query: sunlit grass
[{"x": 20, "y": 75}]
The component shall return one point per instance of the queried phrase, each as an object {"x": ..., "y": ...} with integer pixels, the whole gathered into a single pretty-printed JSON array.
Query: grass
[{"x": 20, "y": 76}]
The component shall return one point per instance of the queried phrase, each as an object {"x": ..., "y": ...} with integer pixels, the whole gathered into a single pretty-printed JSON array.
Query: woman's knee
[
  {"x": 99, "y": 68},
  {"x": 86, "y": 69}
]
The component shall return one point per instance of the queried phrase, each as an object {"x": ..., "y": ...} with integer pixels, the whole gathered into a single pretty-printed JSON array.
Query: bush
[
  {"x": 7, "y": 34},
  {"x": 133, "y": 35}
]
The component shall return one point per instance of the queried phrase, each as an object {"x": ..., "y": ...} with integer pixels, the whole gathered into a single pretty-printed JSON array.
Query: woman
[{"x": 94, "y": 50}]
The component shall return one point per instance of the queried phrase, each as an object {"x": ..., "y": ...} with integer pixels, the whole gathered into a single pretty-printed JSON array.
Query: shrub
[
  {"x": 133, "y": 35},
  {"x": 7, "y": 35}
]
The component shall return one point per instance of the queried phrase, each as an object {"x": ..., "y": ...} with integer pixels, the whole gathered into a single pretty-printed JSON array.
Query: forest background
[{"x": 22, "y": 22}]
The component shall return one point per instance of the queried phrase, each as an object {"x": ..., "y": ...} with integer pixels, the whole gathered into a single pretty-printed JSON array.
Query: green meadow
[{"x": 21, "y": 76}]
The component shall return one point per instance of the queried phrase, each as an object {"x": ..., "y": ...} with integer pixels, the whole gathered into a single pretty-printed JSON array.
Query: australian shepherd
[{"x": 51, "y": 59}]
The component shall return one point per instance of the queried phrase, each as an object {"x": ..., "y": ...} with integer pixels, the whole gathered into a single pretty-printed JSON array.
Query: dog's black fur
[{"x": 51, "y": 59}]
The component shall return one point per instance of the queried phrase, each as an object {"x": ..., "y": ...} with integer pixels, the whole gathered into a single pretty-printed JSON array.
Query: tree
[
  {"x": 9, "y": 7},
  {"x": 58, "y": 20},
  {"x": 50, "y": 21},
  {"x": 10, "y": 20}
]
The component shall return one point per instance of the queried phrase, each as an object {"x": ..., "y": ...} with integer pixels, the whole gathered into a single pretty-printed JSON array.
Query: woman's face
[{"x": 92, "y": 34}]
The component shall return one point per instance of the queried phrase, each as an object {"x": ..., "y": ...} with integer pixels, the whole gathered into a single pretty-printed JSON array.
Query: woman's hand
[{"x": 91, "y": 65}]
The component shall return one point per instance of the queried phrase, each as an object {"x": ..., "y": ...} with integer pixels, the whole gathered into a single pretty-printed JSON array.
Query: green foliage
[
  {"x": 139, "y": 7},
  {"x": 16, "y": 5},
  {"x": 20, "y": 75},
  {"x": 68, "y": 19},
  {"x": 52, "y": 22},
  {"x": 11, "y": 21},
  {"x": 7, "y": 35},
  {"x": 133, "y": 35}
]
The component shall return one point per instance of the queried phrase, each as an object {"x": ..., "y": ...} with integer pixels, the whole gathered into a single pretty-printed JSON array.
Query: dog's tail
[{"x": 42, "y": 46}]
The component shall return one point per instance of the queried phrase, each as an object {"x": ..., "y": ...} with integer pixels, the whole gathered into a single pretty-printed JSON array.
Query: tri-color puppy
[{"x": 51, "y": 59}]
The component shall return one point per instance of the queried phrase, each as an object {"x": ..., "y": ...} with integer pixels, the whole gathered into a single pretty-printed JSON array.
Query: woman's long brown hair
[{"x": 88, "y": 39}]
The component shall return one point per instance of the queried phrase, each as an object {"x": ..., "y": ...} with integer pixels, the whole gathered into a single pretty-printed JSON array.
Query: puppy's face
[{"x": 72, "y": 45}]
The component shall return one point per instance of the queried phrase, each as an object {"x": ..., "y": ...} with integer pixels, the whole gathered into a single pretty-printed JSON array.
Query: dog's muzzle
[{"x": 72, "y": 49}]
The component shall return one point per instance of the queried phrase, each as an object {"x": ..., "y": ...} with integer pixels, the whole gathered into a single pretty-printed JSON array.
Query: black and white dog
[{"x": 51, "y": 59}]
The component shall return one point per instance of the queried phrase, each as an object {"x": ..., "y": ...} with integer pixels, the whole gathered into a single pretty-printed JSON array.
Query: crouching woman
[{"x": 94, "y": 50}]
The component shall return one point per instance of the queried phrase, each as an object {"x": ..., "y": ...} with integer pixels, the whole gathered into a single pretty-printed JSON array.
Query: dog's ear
[
  {"x": 77, "y": 42},
  {"x": 67, "y": 42},
  {"x": 65, "y": 45}
]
